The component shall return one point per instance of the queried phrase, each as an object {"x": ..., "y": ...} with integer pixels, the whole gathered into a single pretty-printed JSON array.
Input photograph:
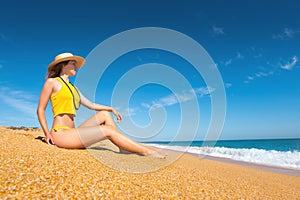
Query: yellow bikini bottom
[{"x": 56, "y": 128}]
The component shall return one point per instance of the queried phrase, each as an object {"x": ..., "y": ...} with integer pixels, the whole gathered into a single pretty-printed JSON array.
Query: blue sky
[{"x": 255, "y": 45}]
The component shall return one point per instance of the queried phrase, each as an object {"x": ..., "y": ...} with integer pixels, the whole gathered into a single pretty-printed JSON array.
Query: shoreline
[{"x": 281, "y": 170}]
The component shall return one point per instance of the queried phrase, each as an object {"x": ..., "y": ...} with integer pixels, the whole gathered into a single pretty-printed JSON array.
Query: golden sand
[{"x": 34, "y": 170}]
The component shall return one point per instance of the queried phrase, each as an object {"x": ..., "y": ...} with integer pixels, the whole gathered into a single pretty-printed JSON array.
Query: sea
[{"x": 281, "y": 153}]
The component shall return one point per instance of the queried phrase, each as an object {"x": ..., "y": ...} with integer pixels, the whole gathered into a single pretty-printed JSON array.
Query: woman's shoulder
[{"x": 51, "y": 81}]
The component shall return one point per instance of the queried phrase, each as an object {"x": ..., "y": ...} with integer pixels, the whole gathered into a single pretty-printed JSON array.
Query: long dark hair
[{"x": 56, "y": 70}]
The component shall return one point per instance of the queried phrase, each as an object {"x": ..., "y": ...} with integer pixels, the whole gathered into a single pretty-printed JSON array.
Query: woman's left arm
[{"x": 93, "y": 106}]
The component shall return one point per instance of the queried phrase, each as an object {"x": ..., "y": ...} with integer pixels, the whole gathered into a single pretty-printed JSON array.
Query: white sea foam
[{"x": 289, "y": 159}]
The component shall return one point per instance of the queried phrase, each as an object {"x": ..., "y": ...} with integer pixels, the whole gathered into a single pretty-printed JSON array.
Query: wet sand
[{"x": 32, "y": 169}]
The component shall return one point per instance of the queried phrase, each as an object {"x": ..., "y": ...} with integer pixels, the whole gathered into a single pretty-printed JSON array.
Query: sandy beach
[{"x": 34, "y": 170}]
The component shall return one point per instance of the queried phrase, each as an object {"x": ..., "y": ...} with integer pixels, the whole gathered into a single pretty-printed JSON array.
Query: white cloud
[
  {"x": 180, "y": 98},
  {"x": 202, "y": 91},
  {"x": 146, "y": 105},
  {"x": 290, "y": 65},
  {"x": 218, "y": 30},
  {"x": 129, "y": 112},
  {"x": 258, "y": 75},
  {"x": 228, "y": 85},
  {"x": 287, "y": 33},
  {"x": 238, "y": 56},
  {"x": 228, "y": 62},
  {"x": 22, "y": 95},
  {"x": 287, "y": 66},
  {"x": 169, "y": 100},
  {"x": 20, "y": 100},
  {"x": 250, "y": 78}
]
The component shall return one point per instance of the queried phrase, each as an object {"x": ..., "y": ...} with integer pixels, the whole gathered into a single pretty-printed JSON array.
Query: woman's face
[{"x": 71, "y": 68}]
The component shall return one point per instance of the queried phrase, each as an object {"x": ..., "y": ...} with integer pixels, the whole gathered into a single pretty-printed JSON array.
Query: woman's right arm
[{"x": 44, "y": 98}]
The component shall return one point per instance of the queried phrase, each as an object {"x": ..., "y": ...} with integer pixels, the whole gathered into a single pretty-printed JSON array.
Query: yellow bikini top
[{"x": 66, "y": 100}]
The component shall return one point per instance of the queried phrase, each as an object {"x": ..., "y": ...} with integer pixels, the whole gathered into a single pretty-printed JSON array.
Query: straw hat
[{"x": 67, "y": 56}]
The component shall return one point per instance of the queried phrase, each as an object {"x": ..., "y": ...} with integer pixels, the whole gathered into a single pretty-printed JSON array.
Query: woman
[{"x": 65, "y": 99}]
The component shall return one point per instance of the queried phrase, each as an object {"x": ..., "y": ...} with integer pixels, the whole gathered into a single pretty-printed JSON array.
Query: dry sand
[{"x": 34, "y": 170}]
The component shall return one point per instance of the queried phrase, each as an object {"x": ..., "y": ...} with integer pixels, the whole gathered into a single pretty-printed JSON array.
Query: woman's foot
[
  {"x": 152, "y": 153},
  {"x": 157, "y": 154}
]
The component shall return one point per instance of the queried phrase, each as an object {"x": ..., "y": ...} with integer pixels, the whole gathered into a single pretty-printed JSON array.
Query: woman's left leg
[
  {"x": 100, "y": 118},
  {"x": 104, "y": 118}
]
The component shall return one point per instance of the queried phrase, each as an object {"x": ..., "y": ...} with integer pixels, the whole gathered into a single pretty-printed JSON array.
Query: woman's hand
[
  {"x": 99, "y": 107},
  {"x": 117, "y": 114},
  {"x": 49, "y": 139}
]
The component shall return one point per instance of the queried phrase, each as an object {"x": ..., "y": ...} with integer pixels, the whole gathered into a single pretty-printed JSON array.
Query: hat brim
[{"x": 79, "y": 60}]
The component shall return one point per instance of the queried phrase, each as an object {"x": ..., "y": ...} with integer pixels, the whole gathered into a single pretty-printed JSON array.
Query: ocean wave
[{"x": 288, "y": 159}]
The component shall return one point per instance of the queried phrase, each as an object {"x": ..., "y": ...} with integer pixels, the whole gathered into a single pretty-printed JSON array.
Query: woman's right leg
[{"x": 86, "y": 136}]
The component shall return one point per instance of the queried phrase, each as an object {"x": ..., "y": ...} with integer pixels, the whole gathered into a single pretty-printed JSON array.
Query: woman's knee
[
  {"x": 107, "y": 119},
  {"x": 109, "y": 132},
  {"x": 103, "y": 115}
]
